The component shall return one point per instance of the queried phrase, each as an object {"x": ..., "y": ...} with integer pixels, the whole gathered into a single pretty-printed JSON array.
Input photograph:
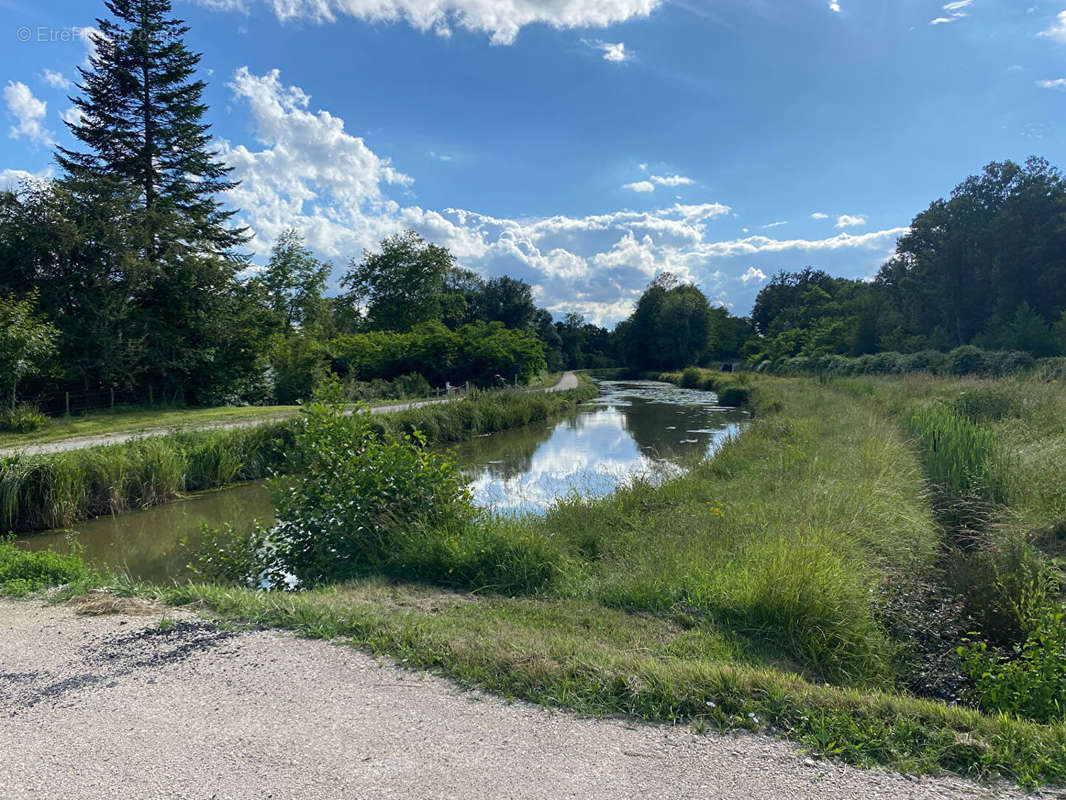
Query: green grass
[{"x": 23, "y": 573}]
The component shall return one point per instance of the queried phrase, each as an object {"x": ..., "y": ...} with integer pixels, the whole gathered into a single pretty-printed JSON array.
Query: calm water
[{"x": 634, "y": 429}]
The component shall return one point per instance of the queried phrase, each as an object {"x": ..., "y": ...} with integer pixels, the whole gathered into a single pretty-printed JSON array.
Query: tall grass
[{"x": 963, "y": 461}]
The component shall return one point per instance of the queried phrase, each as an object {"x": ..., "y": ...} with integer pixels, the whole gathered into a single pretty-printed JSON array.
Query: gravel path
[
  {"x": 567, "y": 381},
  {"x": 118, "y": 707}
]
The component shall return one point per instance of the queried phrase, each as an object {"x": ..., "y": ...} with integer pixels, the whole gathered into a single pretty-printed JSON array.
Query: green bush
[
  {"x": 360, "y": 496},
  {"x": 986, "y": 403},
  {"x": 691, "y": 378},
  {"x": 1028, "y": 680},
  {"x": 23, "y": 418},
  {"x": 22, "y": 572}
]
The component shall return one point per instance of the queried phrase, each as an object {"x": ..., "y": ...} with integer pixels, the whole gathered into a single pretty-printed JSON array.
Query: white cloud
[
  {"x": 753, "y": 274},
  {"x": 672, "y": 180},
  {"x": 440, "y": 156},
  {"x": 501, "y": 19},
  {"x": 11, "y": 179},
  {"x": 775, "y": 224},
  {"x": 616, "y": 53},
  {"x": 72, "y": 116},
  {"x": 57, "y": 80},
  {"x": 308, "y": 172},
  {"x": 1058, "y": 83},
  {"x": 819, "y": 215},
  {"x": 657, "y": 180},
  {"x": 834, "y": 6},
  {"x": 1057, "y": 31},
  {"x": 850, "y": 220},
  {"x": 955, "y": 11},
  {"x": 29, "y": 114}
]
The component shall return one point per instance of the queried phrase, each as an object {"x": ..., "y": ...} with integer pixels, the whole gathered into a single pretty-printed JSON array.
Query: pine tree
[
  {"x": 147, "y": 150},
  {"x": 142, "y": 122}
]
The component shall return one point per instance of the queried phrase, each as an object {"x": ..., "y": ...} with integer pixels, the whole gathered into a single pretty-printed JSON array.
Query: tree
[
  {"x": 26, "y": 341},
  {"x": 400, "y": 286},
  {"x": 294, "y": 281},
  {"x": 1060, "y": 333},
  {"x": 148, "y": 165},
  {"x": 670, "y": 328},
  {"x": 142, "y": 121},
  {"x": 509, "y": 301}
]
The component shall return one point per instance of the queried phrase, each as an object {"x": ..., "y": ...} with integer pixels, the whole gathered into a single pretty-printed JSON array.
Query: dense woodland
[{"x": 126, "y": 273}]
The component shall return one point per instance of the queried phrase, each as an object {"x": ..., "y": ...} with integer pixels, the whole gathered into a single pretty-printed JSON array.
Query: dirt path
[
  {"x": 567, "y": 381},
  {"x": 116, "y": 707}
]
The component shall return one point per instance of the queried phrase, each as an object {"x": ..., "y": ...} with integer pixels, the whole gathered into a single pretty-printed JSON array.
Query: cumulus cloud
[
  {"x": 753, "y": 274},
  {"x": 615, "y": 52},
  {"x": 307, "y": 171},
  {"x": 29, "y": 114},
  {"x": 641, "y": 187},
  {"x": 57, "y": 80},
  {"x": 501, "y": 19},
  {"x": 775, "y": 224},
  {"x": 850, "y": 220},
  {"x": 1058, "y": 83},
  {"x": 819, "y": 215},
  {"x": 1057, "y": 31},
  {"x": 834, "y": 6}
]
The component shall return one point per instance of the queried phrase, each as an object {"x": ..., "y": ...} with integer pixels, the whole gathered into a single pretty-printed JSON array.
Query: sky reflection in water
[{"x": 634, "y": 429}]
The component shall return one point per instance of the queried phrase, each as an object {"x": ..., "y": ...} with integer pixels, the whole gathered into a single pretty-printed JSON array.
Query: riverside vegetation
[
  {"x": 38, "y": 492},
  {"x": 865, "y": 551}
]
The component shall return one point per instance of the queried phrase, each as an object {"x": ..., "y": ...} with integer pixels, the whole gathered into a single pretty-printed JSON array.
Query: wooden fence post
[
  {"x": 68, "y": 402},
  {"x": 112, "y": 396}
]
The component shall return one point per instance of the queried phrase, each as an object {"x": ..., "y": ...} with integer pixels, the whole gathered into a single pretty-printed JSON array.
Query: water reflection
[{"x": 634, "y": 429}]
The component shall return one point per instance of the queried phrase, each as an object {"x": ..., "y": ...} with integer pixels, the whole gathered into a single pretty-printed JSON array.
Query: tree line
[{"x": 984, "y": 268}]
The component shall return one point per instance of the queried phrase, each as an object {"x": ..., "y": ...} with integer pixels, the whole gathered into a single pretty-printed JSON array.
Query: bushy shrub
[
  {"x": 23, "y": 418},
  {"x": 986, "y": 403},
  {"x": 691, "y": 378},
  {"x": 966, "y": 360},
  {"x": 1029, "y": 679},
  {"x": 360, "y": 496}
]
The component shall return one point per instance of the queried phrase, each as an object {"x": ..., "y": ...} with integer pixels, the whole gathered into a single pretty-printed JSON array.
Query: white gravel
[{"x": 116, "y": 707}]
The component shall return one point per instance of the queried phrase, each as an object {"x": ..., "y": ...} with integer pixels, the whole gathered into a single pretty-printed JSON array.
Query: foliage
[
  {"x": 400, "y": 286},
  {"x": 962, "y": 459},
  {"x": 294, "y": 281},
  {"x": 23, "y": 572},
  {"x": 23, "y": 418},
  {"x": 359, "y": 496},
  {"x": 1030, "y": 679},
  {"x": 671, "y": 326},
  {"x": 26, "y": 341},
  {"x": 478, "y": 353}
]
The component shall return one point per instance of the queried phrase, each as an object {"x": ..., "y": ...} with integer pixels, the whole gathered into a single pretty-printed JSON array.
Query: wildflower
[{"x": 710, "y": 704}]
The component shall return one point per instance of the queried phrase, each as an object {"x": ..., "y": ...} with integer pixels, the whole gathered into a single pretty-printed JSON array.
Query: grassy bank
[
  {"x": 40, "y": 492},
  {"x": 747, "y": 594}
]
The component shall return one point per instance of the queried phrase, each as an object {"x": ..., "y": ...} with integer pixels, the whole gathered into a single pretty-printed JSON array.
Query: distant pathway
[
  {"x": 116, "y": 707},
  {"x": 567, "y": 381}
]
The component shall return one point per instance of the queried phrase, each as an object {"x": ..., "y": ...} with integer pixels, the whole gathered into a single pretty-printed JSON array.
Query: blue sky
[{"x": 585, "y": 145}]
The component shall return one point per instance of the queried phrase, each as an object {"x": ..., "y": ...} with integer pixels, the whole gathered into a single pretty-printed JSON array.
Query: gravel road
[
  {"x": 117, "y": 706},
  {"x": 567, "y": 381}
]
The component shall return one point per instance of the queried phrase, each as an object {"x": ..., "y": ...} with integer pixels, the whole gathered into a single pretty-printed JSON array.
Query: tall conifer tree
[{"x": 147, "y": 149}]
